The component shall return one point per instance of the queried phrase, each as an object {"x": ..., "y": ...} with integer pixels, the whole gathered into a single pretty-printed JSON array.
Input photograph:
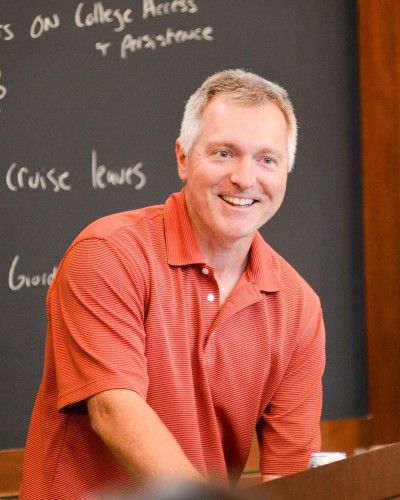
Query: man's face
[{"x": 236, "y": 173}]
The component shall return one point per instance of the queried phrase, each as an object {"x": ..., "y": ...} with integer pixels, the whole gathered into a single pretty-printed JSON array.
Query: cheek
[
  {"x": 275, "y": 186},
  {"x": 203, "y": 176},
  {"x": 282, "y": 187}
]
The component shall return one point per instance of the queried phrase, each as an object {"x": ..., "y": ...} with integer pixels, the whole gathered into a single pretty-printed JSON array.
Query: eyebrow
[{"x": 262, "y": 150}]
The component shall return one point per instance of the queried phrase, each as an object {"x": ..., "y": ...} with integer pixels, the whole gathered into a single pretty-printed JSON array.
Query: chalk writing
[
  {"x": 103, "y": 47},
  {"x": 6, "y": 32},
  {"x": 42, "y": 24},
  {"x": 22, "y": 177},
  {"x": 3, "y": 90},
  {"x": 17, "y": 281},
  {"x": 150, "y": 8},
  {"x": 100, "y": 15},
  {"x": 132, "y": 44},
  {"x": 97, "y": 13},
  {"x": 103, "y": 177}
]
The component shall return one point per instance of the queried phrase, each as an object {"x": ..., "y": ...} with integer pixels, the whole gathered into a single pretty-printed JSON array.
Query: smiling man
[
  {"x": 175, "y": 331},
  {"x": 235, "y": 178}
]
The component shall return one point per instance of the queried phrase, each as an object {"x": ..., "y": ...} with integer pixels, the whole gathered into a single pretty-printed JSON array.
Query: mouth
[{"x": 238, "y": 202}]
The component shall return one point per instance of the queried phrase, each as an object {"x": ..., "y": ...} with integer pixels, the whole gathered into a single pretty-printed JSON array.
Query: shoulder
[
  {"x": 294, "y": 285},
  {"x": 115, "y": 245},
  {"x": 294, "y": 311},
  {"x": 133, "y": 220}
]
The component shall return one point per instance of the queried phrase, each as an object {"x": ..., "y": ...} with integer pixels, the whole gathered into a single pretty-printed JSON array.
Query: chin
[{"x": 239, "y": 234}]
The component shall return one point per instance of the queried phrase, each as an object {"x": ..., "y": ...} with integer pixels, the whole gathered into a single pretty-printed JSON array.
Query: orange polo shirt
[{"x": 133, "y": 305}]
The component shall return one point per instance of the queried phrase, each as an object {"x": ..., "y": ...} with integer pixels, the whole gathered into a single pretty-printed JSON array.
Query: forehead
[
  {"x": 221, "y": 107},
  {"x": 223, "y": 117}
]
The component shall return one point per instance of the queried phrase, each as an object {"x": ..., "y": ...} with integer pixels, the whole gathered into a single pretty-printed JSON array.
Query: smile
[{"x": 238, "y": 201}]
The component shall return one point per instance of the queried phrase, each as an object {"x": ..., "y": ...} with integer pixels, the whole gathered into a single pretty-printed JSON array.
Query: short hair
[{"x": 245, "y": 88}]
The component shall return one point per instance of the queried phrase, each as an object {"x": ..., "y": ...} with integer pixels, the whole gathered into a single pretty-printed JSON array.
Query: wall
[
  {"x": 91, "y": 97},
  {"x": 380, "y": 110}
]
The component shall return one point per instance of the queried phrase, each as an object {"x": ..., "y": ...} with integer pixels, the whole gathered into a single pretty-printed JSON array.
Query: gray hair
[{"x": 244, "y": 87}]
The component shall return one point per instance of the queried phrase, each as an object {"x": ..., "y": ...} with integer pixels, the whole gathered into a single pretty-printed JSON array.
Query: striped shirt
[{"x": 133, "y": 305}]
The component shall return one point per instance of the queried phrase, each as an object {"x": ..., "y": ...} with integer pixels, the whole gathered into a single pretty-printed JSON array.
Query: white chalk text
[
  {"x": 100, "y": 15},
  {"x": 3, "y": 90},
  {"x": 103, "y": 176},
  {"x": 17, "y": 280},
  {"x": 42, "y": 24},
  {"x": 6, "y": 32},
  {"x": 21, "y": 177},
  {"x": 131, "y": 44},
  {"x": 151, "y": 8}
]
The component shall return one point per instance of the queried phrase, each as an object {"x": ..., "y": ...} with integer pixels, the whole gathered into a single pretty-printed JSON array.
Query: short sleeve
[
  {"x": 96, "y": 310},
  {"x": 289, "y": 429}
]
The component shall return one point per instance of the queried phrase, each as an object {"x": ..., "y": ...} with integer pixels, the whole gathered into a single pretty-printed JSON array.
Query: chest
[{"x": 236, "y": 347}]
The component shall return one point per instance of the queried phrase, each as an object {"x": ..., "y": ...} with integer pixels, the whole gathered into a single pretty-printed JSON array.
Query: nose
[{"x": 243, "y": 174}]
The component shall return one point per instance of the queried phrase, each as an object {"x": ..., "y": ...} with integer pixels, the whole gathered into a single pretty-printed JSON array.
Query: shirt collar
[
  {"x": 262, "y": 269},
  {"x": 181, "y": 244}
]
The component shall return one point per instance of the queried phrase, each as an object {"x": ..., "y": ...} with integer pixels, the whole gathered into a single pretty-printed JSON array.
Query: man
[{"x": 175, "y": 331}]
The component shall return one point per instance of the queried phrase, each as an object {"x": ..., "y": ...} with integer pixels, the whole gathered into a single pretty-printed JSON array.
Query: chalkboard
[{"x": 91, "y": 98}]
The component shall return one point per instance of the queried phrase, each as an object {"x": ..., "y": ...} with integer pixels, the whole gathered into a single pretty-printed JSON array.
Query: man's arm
[
  {"x": 268, "y": 477},
  {"x": 137, "y": 437},
  {"x": 289, "y": 429}
]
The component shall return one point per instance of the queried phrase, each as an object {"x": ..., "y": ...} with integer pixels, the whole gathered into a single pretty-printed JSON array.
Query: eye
[
  {"x": 222, "y": 154},
  {"x": 267, "y": 160}
]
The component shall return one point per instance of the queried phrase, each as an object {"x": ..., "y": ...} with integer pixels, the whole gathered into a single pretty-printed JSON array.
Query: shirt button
[
  {"x": 210, "y": 297},
  {"x": 205, "y": 270}
]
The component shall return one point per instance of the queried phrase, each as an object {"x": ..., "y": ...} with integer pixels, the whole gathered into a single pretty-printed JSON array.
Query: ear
[{"x": 181, "y": 159}]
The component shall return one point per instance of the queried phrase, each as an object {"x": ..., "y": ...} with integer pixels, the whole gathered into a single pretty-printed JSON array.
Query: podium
[{"x": 373, "y": 475}]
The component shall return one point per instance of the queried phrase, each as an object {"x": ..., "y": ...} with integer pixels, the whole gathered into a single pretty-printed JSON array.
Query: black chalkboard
[{"x": 91, "y": 98}]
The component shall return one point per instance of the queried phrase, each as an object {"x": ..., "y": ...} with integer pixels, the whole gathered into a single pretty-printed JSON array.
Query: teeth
[{"x": 238, "y": 201}]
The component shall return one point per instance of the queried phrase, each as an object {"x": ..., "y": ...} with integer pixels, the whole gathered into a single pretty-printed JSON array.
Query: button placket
[
  {"x": 209, "y": 290},
  {"x": 209, "y": 351},
  {"x": 211, "y": 295}
]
